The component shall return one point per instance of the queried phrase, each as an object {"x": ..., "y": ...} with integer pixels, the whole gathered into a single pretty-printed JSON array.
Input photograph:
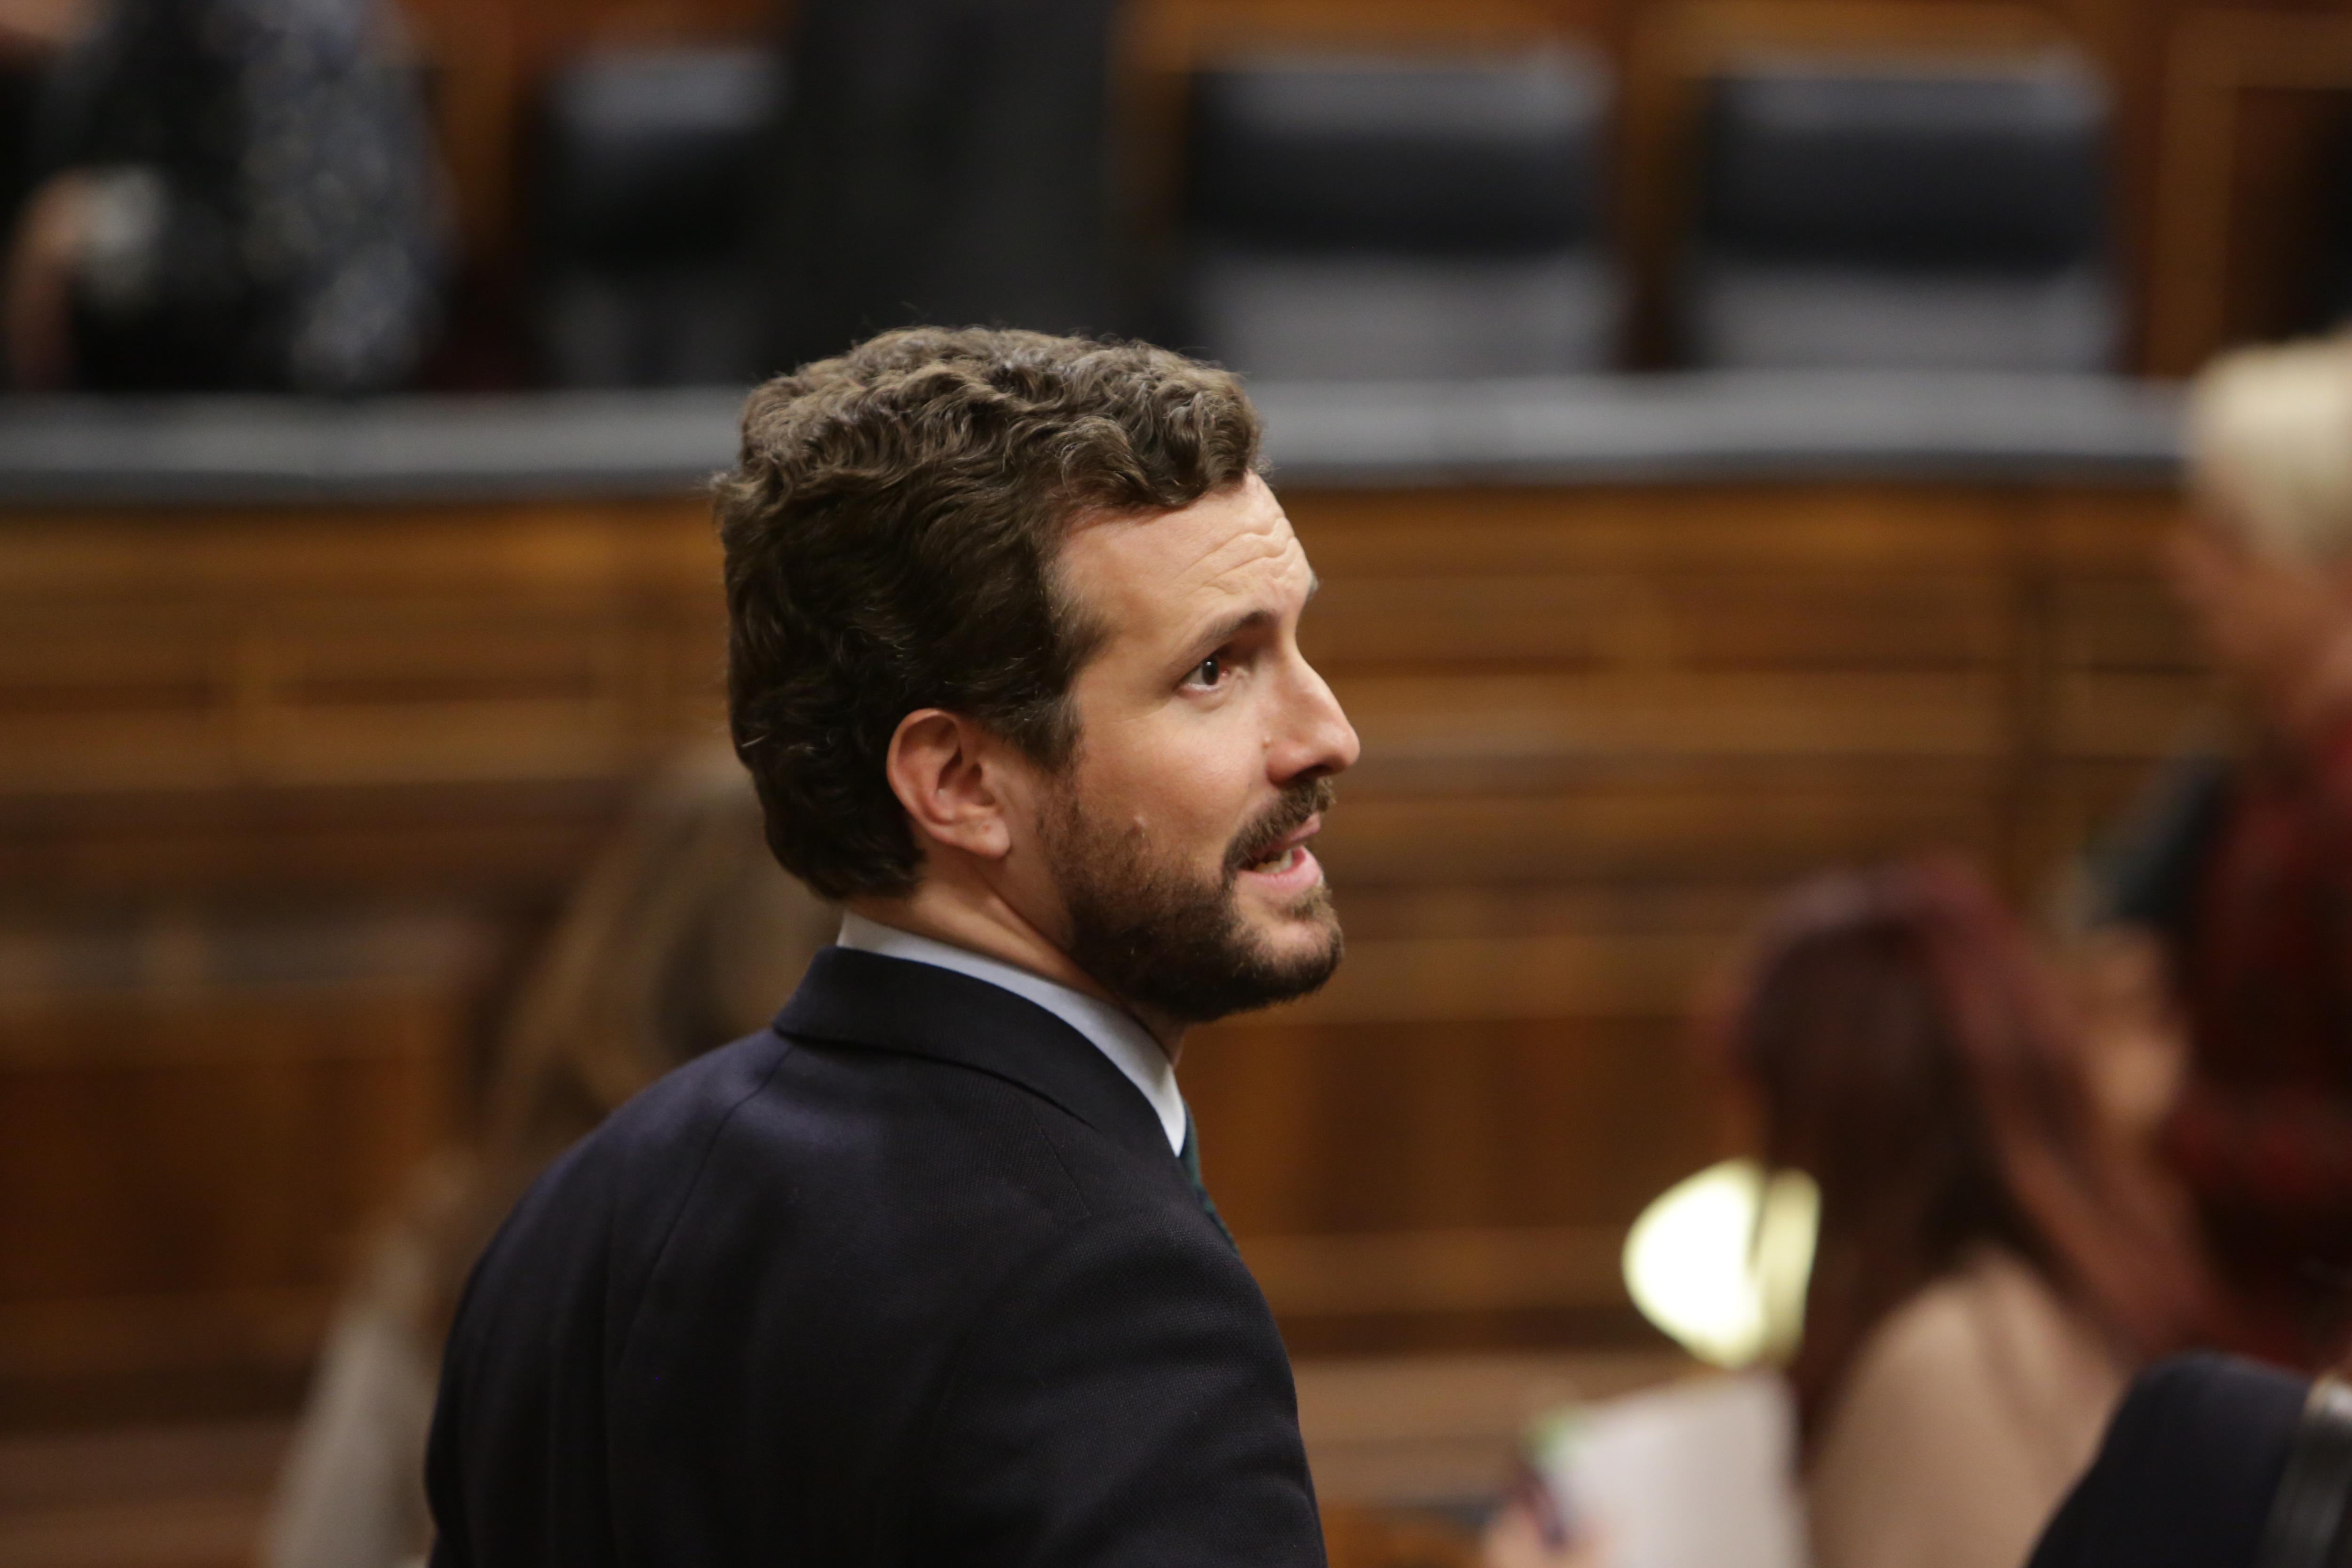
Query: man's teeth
[{"x": 1282, "y": 862}]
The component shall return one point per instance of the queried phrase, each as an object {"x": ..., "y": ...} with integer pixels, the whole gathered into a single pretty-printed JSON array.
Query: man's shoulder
[
  {"x": 676, "y": 1115},
  {"x": 775, "y": 1135}
]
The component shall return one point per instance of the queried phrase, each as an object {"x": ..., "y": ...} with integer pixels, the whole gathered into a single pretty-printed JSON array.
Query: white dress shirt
[{"x": 1117, "y": 1034}]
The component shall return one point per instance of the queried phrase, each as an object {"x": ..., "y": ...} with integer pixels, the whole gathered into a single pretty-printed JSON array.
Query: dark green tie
[{"x": 1190, "y": 1155}]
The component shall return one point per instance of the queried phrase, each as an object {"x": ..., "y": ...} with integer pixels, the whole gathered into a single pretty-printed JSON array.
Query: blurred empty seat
[
  {"x": 1356, "y": 217},
  {"x": 644, "y": 196},
  {"x": 1915, "y": 216}
]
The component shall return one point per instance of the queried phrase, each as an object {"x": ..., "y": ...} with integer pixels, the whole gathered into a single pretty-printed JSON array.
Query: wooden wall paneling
[
  {"x": 1460, "y": 1182},
  {"x": 1716, "y": 822},
  {"x": 1174, "y": 36},
  {"x": 195, "y": 1119},
  {"x": 205, "y": 718},
  {"x": 558, "y": 26},
  {"x": 1741, "y": 713},
  {"x": 1629, "y": 621},
  {"x": 2234, "y": 191},
  {"x": 1806, "y": 531},
  {"x": 1464, "y": 1124},
  {"x": 501, "y": 845},
  {"x": 2131, "y": 683},
  {"x": 409, "y": 701},
  {"x": 1676, "y": 700},
  {"x": 2290, "y": 266},
  {"x": 168, "y": 653},
  {"x": 2122, "y": 683},
  {"x": 190, "y": 1497}
]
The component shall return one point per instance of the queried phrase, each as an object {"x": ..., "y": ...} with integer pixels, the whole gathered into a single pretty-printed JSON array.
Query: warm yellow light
[{"x": 1719, "y": 1261}]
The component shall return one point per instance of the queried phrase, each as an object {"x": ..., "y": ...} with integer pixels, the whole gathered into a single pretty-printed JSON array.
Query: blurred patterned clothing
[
  {"x": 2263, "y": 1132},
  {"x": 268, "y": 212}
]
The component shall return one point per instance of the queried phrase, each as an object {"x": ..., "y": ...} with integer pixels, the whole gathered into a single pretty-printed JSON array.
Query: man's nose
[{"x": 1314, "y": 738}]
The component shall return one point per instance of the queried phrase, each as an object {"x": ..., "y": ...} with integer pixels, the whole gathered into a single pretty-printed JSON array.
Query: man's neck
[{"x": 984, "y": 923}]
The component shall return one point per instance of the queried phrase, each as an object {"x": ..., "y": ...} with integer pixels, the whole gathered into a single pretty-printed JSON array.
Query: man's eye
[{"x": 1208, "y": 672}]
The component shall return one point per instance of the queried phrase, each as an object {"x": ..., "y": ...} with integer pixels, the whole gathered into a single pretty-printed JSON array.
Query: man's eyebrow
[
  {"x": 1220, "y": 633},
  {"x": 1231, "y": 626}
]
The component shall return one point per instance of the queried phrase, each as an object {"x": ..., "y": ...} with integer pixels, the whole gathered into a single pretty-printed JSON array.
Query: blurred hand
[
  {"x": 39, "y": 295},
  {"x": 1515, "y": 1540}
]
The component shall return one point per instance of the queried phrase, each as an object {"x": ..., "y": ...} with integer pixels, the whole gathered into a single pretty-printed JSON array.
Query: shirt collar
[{"x": 1117, "y": 1033}]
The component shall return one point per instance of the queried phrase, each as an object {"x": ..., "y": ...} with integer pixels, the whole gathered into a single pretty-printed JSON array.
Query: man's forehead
[{"x": 1225, "y": 535}]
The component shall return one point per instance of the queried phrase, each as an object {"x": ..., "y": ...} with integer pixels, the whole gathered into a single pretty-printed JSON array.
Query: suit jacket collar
[{"x": 868, "y": 1000}]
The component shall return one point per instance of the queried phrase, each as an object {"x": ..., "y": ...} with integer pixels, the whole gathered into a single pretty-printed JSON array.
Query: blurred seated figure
[
  {"x": 682, "y": 936},
  {"x": 1356, "y": 216},
  {"x": 2237, "y": 871},
  {"x": 1993, "y": 1255},
  {"x": 644, "y": 191},
  {"x": 235, "y": 194},
  {"x": 2213, "y": 1463},
  {"x": 1930, "y": 215}
]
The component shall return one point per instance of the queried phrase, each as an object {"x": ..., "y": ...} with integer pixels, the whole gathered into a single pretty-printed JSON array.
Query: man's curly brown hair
[{"x": 892, "y": 531}]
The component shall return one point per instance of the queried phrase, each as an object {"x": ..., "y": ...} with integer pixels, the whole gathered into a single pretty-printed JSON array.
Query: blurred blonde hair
[
  {"x": 2270, "y": 441},
  {"x": 683, "y": 934}
]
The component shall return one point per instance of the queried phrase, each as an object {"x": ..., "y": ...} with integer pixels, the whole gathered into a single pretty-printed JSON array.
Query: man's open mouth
[
  {"x": 1284, "y": 854},
  {"x": 1274, "y": 845}
]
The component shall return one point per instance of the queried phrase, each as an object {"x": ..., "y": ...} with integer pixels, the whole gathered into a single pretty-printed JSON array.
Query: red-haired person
[
  {"x": 1995, "y": 1257},
  {"x": 1995, "y": 1254}
]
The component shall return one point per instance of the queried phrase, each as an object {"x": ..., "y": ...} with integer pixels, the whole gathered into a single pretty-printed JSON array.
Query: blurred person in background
[
  {"x": 1996, "y": 1251},
  {"x": 944, "y": 161},
  {"x": 2227, "y": 904},
  {"x": 231, "y": 194},
  {"x": 680, "y": 937}
]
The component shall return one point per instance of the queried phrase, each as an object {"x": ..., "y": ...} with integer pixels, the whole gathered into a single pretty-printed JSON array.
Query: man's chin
[{"x": 1303, "y": 941}]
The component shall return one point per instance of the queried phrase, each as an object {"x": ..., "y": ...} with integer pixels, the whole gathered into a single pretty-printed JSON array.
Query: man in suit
[{"x": 925, "y": 1273}]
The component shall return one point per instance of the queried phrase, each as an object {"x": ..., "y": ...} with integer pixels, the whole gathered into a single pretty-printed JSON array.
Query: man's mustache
[{"x": 1280, "y": 820}]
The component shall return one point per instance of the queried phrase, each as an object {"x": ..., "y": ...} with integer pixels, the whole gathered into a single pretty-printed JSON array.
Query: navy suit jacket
[{"x": 910, "y": 1277}]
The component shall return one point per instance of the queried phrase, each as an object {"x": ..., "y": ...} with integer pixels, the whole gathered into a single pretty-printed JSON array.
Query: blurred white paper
[{"x": 1698, "y": 1475}]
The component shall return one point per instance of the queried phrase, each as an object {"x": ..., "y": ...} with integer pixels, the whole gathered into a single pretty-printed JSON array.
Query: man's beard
[{"x": 1159, "y": 937}]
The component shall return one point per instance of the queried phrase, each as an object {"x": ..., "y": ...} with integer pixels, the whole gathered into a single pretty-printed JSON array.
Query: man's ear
[{"x": 945, "y": 770}]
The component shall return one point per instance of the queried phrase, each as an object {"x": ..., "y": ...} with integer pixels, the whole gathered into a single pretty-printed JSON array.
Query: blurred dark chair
[
  {"x": 1355, "y": 218},
  {"x": 643, "y": 195},
  {"x": 20, "y": 86},
  {"x": 1910, "y": 215},
  {"x": 2332, "y": 295}
]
